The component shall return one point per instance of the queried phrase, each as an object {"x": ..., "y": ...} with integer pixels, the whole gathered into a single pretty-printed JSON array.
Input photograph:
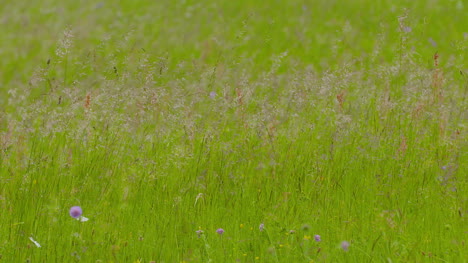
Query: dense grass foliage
[{"x": 233, "y": 131}]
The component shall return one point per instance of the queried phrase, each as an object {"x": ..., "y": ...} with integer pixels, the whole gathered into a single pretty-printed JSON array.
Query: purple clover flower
[
  {"x": 220, "y": 231},
  {"x": 317, "y": 238},
  {"x": 76, "y": 211},
  {"x": 345, "y": 245}
]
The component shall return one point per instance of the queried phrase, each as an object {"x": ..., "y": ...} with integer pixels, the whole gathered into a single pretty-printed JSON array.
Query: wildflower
[
  {"x": 76, "y": 211},
  {"x": 82, "y": 219},
  {"x": 220, "y": 231},
  {"x": 345, "y": 245},
  {"x": 212, "y": 94},
  {"x": 241, "y": 225},
  {"x": 317, "y": 238},
  {"x": 306, "y": 237},
  {"x": 199, "y": 233},
  {"x": 261, "y": 227}
]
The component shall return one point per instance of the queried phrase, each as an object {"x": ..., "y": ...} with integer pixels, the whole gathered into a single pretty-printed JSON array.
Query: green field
[{"x": 275, "y": 121}]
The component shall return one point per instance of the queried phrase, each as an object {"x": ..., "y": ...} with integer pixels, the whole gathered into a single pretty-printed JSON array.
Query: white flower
[{"x": 82, "y": 219}]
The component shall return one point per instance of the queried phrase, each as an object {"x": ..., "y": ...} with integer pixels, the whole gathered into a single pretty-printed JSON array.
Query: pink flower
[
  {"x": 261, "y": 227},
  {"x": 345, "y": 245}
]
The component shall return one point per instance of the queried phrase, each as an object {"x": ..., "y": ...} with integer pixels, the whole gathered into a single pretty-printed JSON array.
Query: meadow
[{"x": 233, "y": 131}]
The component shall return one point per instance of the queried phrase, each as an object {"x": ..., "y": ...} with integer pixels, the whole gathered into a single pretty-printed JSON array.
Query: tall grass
[{"x": 167, "y": 121}]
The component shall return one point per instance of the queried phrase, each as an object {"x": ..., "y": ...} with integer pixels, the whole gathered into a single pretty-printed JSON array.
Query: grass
[{"x": 159, "y": 119}]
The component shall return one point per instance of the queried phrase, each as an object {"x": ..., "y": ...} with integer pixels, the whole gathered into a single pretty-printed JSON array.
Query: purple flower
[
  {"x": 407, "y": 29},
  {"x": 261, "y": 227},
  {"x": 76, "y": 211},
  {"x": 317, "y": 238},
  {"x": 345, "y": 245},
  {"x": 220, "y": 231},
  {"x": 212, "y": 94}
]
